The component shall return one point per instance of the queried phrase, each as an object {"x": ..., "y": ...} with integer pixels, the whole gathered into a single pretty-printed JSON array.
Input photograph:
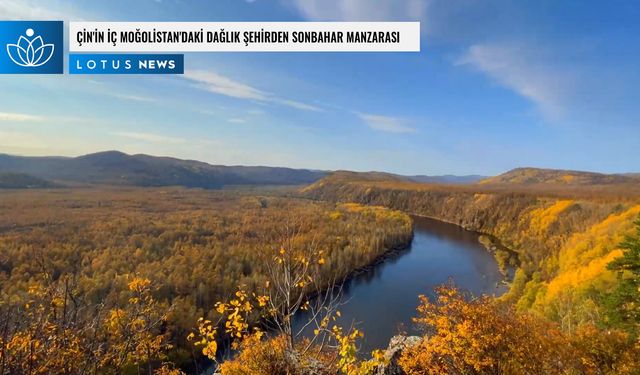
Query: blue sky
[{"x": 497, "y": 85}]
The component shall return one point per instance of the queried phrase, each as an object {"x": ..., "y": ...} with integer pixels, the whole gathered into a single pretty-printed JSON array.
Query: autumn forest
[{"x": 106, "y": 279}]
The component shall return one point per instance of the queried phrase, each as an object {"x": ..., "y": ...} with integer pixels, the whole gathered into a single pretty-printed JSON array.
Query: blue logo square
[{"x": 31, "y": 47}]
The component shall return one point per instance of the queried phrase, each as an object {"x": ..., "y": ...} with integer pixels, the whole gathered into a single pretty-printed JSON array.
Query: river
[{"x": 382, "y": 301}]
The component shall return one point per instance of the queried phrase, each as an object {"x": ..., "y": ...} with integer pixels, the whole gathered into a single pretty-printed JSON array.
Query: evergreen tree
[{"x": 624, "y": 302}]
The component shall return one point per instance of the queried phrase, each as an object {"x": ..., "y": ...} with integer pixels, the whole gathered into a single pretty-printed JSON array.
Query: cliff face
[{"x": 564, "y": 240}]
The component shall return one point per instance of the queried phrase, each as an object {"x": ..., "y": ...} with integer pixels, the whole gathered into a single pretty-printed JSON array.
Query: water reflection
[{"x": 382, "y": 301}]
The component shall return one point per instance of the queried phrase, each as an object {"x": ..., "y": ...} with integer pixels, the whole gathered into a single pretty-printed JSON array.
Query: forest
[
  {"x": 113, "y": 281},
  {"x": 461, "y": 334},
  {"x": 568, "y": 240},
  {"x": 563, "y": 238},
  {"x": 133, "y": 280}
]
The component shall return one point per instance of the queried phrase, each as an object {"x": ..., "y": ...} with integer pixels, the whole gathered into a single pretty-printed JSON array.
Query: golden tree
[
  {"x": 482, "y": 336},
  {"x": 54, "y": 331},
  {"x": 45, "y": 334},
  {"x": 134, "y": 336},
  {"x": 294, "y": 286},
  {"x": 486, "y": 336}
]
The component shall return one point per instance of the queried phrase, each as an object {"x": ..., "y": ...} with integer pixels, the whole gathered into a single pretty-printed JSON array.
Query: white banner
[{"x": 244, "y": 37}]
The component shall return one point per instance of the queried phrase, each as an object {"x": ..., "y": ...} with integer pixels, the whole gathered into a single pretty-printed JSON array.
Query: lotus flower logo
[{"x": 30, "y": 51}]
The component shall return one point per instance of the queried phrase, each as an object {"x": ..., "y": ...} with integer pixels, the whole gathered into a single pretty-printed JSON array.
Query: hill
[
  {"x": 117, "y": 168},
  {"x": 532, "y": 176},
  {"x": 22, "y": 181},
  {"x": 564, "y": 233},
  {"x": 390, "y": 177},
  {"x": 603, "y": 187}
]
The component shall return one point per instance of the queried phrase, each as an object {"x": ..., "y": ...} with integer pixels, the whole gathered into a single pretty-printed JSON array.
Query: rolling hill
[
  {"x": 117, "y": 168},
  {"x": 532, "y": 176},
  {"x": 390, "y": 177}
]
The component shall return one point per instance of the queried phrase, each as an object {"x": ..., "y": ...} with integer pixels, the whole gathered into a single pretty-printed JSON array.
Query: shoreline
[{"x": 495, "y": 242}]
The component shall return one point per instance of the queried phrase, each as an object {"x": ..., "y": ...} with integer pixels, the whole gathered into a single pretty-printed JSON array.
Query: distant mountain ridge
[
  {"x": 384, "y": 176},
  {"x": 541, "y": 176},
  {"x": 118, "y": 168}
]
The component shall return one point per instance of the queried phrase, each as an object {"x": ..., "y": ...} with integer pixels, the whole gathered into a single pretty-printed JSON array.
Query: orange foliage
[
  {"x": 484, "y": 336},
  {"x": 196, "y": 246},
  {"x": 51, "y": 336},
  {"x": 609, "y": 351},
  {"x": 273, "y": 356},
  {"x": 564, "y": 230}
]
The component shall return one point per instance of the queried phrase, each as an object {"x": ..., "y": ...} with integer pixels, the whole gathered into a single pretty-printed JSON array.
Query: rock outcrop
[{"x": 396, "y": 345}]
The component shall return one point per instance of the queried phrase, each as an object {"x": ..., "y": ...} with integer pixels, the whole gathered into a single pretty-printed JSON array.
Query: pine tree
[{"x": 624, "y": 302}]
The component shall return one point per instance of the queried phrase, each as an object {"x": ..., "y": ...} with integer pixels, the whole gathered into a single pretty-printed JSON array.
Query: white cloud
[
  {"x": 361, "y": 10},
  {"x": 135, "y": 98},
  {"x": 226, "y": 86},
  {"x": 385, "y": 123},
  {"x": 222, "y": 85},
  {"x": 237, "y": 120},
  {"x": 148, "y": 137},
  {"x": 19, "y": 117},
  {"x": 525, "y": 71},
  {"x": 296, "y": 104},
  {"x": 49, "y": 119}
]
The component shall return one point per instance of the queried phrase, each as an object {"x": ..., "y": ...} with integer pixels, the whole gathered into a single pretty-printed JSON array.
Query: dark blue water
[{"x": 382, "y": 301}]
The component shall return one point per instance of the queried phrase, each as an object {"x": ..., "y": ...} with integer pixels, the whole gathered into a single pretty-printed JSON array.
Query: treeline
[
  {"x": 78, "y": 251},
  {"x": 602, "y": 190},
  {"x": 563, "y": 243}
]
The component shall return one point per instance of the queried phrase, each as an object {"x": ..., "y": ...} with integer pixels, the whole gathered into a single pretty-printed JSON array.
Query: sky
[{"x": 497, "y": 85}]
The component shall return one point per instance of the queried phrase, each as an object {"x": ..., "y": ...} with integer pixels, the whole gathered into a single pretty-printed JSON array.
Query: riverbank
[
  {"x": 507, "y": 258},
  {"x": 563, "y": 239},
  {"x": 382, "y": 299}
]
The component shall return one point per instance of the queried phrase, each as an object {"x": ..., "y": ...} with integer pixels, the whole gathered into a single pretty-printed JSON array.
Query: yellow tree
[
  {"x": 294, "y": 285},
  {"x": 134, "y": 336},
  {"x": 48, "y": 332},
  {"x": 483, "y": 336}
]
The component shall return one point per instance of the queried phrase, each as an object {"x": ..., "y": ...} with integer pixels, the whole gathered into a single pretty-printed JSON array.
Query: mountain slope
[
  {"x": 530, "y": 176},
  {"x": 22, "y": 181},
  {"x": 564, "y": 236},
  {"x": 390, "y": 178},
  {"x": 117, "y": 168}
]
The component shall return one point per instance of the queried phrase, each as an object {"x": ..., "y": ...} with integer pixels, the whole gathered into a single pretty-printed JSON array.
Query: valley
[
  {"x": 327, "y": 260},
  {"x": 563, "y": 235}
]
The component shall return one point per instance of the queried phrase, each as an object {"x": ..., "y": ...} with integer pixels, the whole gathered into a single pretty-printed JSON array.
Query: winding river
[{"x": 382, "y": 301}]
